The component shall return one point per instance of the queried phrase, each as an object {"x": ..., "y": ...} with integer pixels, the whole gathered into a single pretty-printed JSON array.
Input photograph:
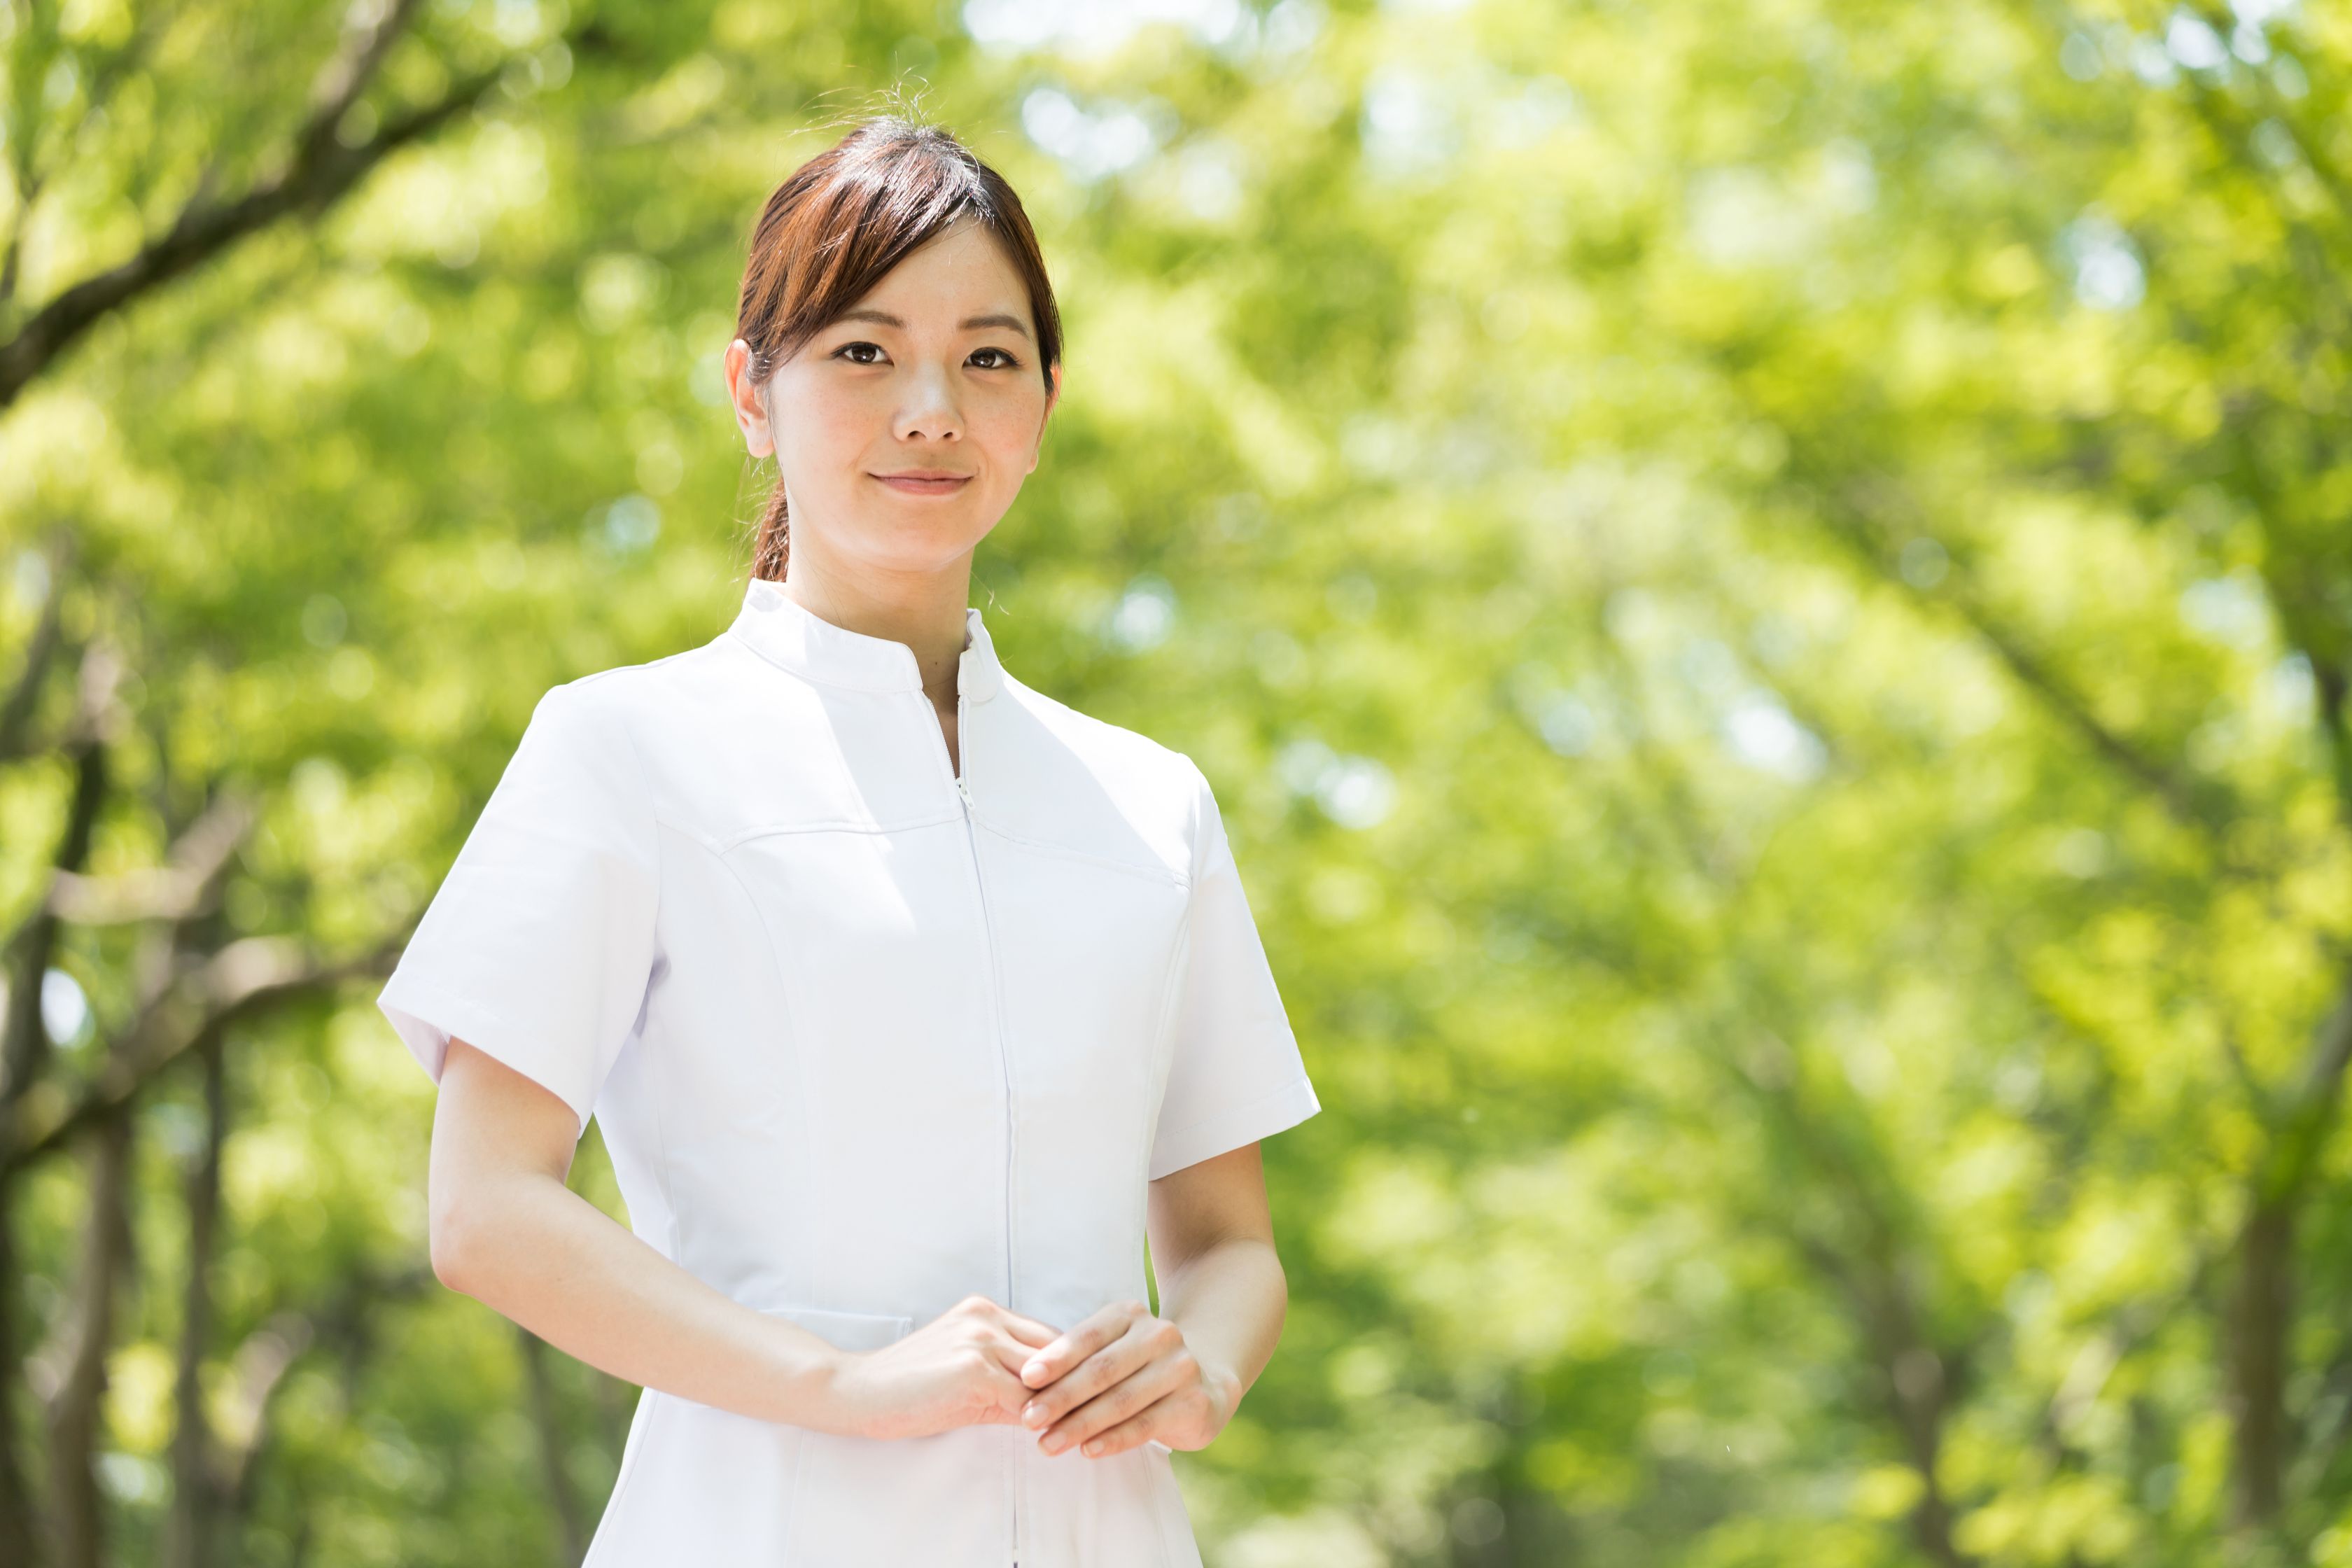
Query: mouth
[{"x": 925, "y": 482}]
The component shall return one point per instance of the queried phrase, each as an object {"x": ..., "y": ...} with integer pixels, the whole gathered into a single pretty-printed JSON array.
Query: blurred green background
[{"x": 1765, "y": 586}]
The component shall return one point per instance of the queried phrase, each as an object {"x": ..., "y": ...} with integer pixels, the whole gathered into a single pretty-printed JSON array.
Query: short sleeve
[
  {"x": 539, "y": 944},
  {"x": 1234, "y": 1073}
]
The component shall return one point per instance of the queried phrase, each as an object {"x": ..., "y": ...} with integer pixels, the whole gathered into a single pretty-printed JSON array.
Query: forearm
[
  {"x": 538, "y": 1253},
  {"x": 1230, "y": 1299}
]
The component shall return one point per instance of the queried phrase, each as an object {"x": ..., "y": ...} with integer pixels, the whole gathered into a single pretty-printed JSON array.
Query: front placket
[{"x": 961, "y": 779}]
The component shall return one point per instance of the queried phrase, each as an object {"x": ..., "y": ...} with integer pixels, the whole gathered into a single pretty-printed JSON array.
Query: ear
[
  {"x": 1053, "y": 400},
  {"x": 750, "y": 400}
]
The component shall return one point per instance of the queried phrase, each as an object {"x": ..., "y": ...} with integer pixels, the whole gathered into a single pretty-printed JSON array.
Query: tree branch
[
  {"x": 188, "y": 886},
  {"x": 320, "y": 170},
  {"x": 241, "y": 980},
  {"x": 1852, "y": 519},
  {"x": 40, "y": 650}
]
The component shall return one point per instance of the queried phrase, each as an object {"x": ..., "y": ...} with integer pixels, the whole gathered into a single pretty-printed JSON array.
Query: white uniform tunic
[{"x": 864, "y": 1037}]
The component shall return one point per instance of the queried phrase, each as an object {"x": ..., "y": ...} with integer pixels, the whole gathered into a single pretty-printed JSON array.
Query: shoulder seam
[
  {"x": 1095, "y": 719},
  {"x": 628, "y": 738}
]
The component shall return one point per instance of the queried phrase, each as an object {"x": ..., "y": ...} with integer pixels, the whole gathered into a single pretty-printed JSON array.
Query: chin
[{"x": 897, "y": 545}]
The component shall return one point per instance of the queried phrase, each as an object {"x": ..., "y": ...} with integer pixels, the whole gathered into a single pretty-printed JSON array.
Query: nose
[{"x": 930, "y": 412}]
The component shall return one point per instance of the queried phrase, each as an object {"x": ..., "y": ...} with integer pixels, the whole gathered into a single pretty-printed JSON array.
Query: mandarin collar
[{"x": 785, "y": 632}]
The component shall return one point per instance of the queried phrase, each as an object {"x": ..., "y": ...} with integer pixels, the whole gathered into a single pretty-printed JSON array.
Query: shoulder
[
  {"x": 1160, "y": 791},
  {"x": 649, "y": 704},
  {"x": 1108, "y": 748},
  {"x": 619, "y": 726}
]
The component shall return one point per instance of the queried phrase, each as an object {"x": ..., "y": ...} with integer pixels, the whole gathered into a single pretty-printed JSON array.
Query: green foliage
[{"x": 1765, "y": 586}]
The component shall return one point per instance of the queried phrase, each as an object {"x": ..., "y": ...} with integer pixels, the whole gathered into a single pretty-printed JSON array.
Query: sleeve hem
[
  {"x": 1261, "y": 1118},
  {"x": 426, "y": 1017}
]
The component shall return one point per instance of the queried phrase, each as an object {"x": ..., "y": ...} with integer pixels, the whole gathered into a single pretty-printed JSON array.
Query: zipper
[{"x": 1004, "y": 1064}]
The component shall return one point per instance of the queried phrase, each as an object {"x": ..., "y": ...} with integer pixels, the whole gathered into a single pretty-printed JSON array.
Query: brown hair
[{"x": 840, "y": 222}]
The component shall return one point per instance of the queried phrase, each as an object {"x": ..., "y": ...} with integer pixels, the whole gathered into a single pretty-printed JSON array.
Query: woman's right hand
[{"x": 960, "y": 1369}]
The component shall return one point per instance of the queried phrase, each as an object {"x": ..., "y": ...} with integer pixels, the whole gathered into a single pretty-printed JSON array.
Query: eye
[
  {"x": 1010, "y": 363},
  {"x": 861, "y": 343}
]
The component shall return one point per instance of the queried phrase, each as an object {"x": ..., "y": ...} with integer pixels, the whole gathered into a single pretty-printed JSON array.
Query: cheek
[
  {"x": 1008, "y": 430},
  {"x": 820, "y": 437}
]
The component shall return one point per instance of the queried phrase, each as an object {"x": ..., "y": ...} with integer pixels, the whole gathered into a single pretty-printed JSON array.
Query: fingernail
[
  {"x": 1053, "y": 1445},
  {"x": 1094, "y": 1447},
  {"x": 1032, "y": 1370},
  {"x": 1035, "y": 1415}
]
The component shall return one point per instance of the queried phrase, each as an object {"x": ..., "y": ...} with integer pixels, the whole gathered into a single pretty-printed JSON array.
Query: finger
[
  {"x": 1019, "y": 1325},
  {"x": 1029, "y": 1331},
  {"x": 1089, "y": 1335},
  {"x": 1151, "y": 1377},
  {"x": 1121, "y": 1359},
  {"x": 1106, "y": 1412},
  {"x": 1013, "y": 1351},
  {"x": 1132, "y": 1432}
]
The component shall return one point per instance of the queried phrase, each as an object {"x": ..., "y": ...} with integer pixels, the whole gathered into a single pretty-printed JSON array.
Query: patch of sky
[
  {"x": 1708, "y": 666},
  {"x": 1765, "y": 735},
  {"x": 2261, "y": 13},
  {"x": 2230, "y": 610},
  {"x": 2191, "y": 40},
  {"x": 2250, "y": 41},
  {"x": 625, "y": 526},
  {"x": 1353, "y": 791},
  {"x": 1567, "y": 725},
  {"x": 1141, "y": 619},
  {"x": 1572, "y": 722},
  {"x": 1740, "y": 216},
  {"x": 1091, "y": 143},
  {"x": 1210, "y": 179},
  {"x": 2105, "y": 264},
  {"x": 1406, "y": 126},
  {"x": 1291, "y": 27},
  {"x": 521, "y": 22},
  {"x": 2153, "y": 63},
  {"x": 130, "y": 1477},
  {"x": 2293, "y": 688},
  {"x": 1099, "y": 27},
  {"x": 64, "y": 1010},
  {"x": 2276, "y": 145},
  {"x": 2078, "y": 56}
]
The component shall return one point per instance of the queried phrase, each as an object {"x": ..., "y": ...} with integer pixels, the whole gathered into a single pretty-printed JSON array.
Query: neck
[{"x": 924, "y": 610}]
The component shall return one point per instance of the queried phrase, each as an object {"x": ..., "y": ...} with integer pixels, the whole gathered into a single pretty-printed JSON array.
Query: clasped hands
[{"x": 1118, "y": 1379}]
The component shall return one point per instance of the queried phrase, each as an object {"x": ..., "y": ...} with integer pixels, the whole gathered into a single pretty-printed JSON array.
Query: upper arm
[
  {"x": 491, "y": 1125},
  {"x": 1221, "y": 1198}
]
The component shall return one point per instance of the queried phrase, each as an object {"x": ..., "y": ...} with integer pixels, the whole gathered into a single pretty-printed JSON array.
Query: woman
[{"x": 909, "y": 999}]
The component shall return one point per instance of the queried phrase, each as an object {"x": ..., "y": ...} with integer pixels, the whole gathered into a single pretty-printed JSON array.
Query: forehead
[{"x": 965, "y": 268}]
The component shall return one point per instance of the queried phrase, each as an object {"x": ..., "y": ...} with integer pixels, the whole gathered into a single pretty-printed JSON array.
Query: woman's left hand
[{"x": 1122, "y": 1378}]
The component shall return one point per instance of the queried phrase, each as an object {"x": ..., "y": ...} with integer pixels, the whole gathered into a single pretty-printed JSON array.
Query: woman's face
[{"x": 903, "y": 430}]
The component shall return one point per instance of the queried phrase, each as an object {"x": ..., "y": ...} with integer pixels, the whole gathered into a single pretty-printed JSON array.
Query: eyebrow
[{"x": 868, "y": 313}]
